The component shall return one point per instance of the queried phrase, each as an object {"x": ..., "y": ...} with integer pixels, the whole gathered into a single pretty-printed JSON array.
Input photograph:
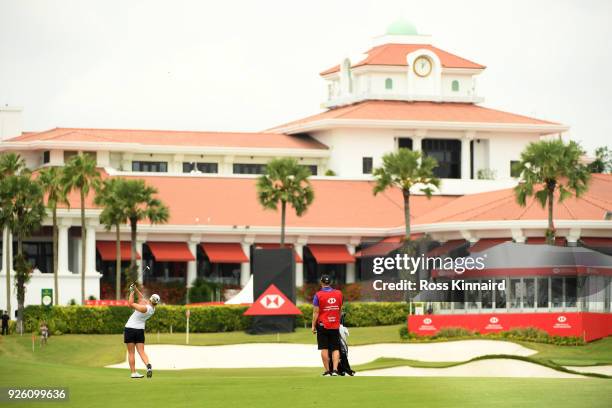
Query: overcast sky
[{"x": 250, "y": 65}]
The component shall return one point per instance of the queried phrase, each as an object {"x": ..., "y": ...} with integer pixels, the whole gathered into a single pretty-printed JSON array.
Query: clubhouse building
[{"x": 403, "y": 92}]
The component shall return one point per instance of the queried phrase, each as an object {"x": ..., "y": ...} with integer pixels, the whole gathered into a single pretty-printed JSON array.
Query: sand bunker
[
  {"x": 482, "y": 368},
  {"x": 262, "y": 355}
]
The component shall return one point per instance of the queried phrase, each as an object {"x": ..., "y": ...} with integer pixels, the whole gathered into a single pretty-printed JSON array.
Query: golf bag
[{"x": 343, "y": 366}]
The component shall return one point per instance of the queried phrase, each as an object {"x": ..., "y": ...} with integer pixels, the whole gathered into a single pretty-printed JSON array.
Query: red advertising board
[
  {"x": 589, "y": 326},
  {"x": 106, "y": 302}
]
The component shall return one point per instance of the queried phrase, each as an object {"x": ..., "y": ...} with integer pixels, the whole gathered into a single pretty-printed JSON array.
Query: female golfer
[{"x": 133, "y": 334}]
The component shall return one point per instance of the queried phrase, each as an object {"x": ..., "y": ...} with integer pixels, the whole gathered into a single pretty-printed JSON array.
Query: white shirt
[{"x": 137, "y": 320}]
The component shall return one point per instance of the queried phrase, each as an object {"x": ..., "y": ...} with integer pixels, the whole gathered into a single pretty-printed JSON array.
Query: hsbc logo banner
[
  {"x": 558, "y": 324},
  {"x": 272, "y": 302}
]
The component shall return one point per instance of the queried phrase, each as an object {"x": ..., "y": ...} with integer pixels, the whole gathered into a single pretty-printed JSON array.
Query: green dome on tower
[{"x": 402, "y": 27}]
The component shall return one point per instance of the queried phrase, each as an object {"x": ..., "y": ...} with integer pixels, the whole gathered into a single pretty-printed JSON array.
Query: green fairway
[{"x": 75, "y": 361}]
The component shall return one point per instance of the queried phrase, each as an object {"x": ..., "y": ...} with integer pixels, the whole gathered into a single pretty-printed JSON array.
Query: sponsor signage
[
  {"x": 46, "y": 297},
  {"x": 272, "y": 302},
  {"x": 590, "y": 326},
  {"x": 106, "y": 303}
]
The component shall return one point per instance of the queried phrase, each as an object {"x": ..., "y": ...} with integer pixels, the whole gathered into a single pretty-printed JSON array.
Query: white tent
[{"x": 244, "y": 296}]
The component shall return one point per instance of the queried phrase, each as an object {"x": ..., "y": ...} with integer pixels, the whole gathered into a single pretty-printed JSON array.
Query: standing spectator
[
  {"x": 44, "y": 333},
  {"x": 326, "y": 324},
  {"x": 5, "y": 323}
]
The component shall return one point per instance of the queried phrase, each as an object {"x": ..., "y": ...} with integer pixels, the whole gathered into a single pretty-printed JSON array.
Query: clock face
[
  {"x": 422, "y": 66},
  {"x": 46, "y": 300}
]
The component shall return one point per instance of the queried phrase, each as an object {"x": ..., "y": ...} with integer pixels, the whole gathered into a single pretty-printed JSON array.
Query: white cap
[{"x": 155, "y": 299}]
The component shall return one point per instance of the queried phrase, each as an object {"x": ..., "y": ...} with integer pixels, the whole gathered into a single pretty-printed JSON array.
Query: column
[
  {"x": 192, "y": 266},
  {"x": 350, "y": 267},
  {"x": 103, "y": 158},
  {"x": 177, "y": 163},
  {"x": 299, "y": 267},
  {"x": 126, "y": 162},
  {"x": 90, "y": 246},
  {"x": 417, "y": 139},
  {"x": 62, "y": 246},
  {"x": 245, "y": 267},
  {"x": 140, "y": 241},
  {"x": 56, "y": 158},
  {"x": 465, "y": 155},
  {"x": 227, "y": 165}
]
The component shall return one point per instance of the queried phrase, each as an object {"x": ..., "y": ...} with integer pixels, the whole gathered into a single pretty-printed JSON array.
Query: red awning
[
  {"x": 108, "y": 250},
  {"x": 224, "y": 252},
  {"x": 275, "y": 246},
  {"x": 597, "y": 242},
  {"x": 486, "y": 243},
  {"x": 446, "y": 247},
  {"x": 171, "y": 251},
  {"x": 331, "y": 254}
]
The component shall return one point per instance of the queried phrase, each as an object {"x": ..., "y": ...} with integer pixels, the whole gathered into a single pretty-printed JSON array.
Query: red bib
[{"x": 330, "y": 308}]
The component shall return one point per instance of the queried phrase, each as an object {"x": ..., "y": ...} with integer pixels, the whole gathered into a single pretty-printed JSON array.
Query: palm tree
[
  {"x": 50, "y": 180},
  {"x": 27, "y": 213},
  {"x": 11, "y": 164},
  {"x": 405, "y": 169},
  {"x": 113, "y": 215},
  {"x": 285, "y": 182},
  {"x": 80, "y": 173},
  {"x": 138, "y": 203},
  {"x": 549, "y": 166}
]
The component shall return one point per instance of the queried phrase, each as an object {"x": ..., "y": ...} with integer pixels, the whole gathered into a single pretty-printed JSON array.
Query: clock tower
[{"x": 402, "y": 65}]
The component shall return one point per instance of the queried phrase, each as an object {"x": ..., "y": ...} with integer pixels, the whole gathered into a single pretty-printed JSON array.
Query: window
[
  {"x": 188, "y": 167},
  {"x": 529, "y": 292},
  {"x": 150, "y": 166},
  {"x": 46, "y": 157},
  {"x": 249, "y": 168},
  {"x": 404, "y": 143},
  {"x": 556, "y": 289},
  {"x": 312, "y": 167},
  {"x": 388, "y": 83},
  {"x": 514, "y": 172},
  {"x": 515, "y": 293},
  {"x": 366, "y": 165},
  {"x": 447, "y": 153},
  {"x": 500, "y": 296},
  {"x": 543, "y": 292},
  {"x": 455, "y": 86},
  {"x": 68, "y": 154}
]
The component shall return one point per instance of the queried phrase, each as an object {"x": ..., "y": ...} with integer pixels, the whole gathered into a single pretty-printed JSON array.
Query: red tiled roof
[
  {"x": 420, "y": 111},
  {"x": 233, "y": 201},
  {"x": 173, "y": 138},
  {"x": 502, "y": 205},
  {"x": 395, "y": 54}
]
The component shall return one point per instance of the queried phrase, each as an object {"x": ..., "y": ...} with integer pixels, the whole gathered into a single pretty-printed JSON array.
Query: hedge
[
  {"x": 531, "y": 334},
  {"x": 111, "y": 319}
]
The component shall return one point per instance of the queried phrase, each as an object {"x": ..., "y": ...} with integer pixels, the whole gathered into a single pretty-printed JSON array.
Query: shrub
[
  {"x": 531, "y": 334},
  {"x": 451, "y": 332},
  {"x": 203, "y": 291},
  {"x": 171, "y": 293},
  {"x": 111, "y": 319},
  {"x": 363, "y": 314}
]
